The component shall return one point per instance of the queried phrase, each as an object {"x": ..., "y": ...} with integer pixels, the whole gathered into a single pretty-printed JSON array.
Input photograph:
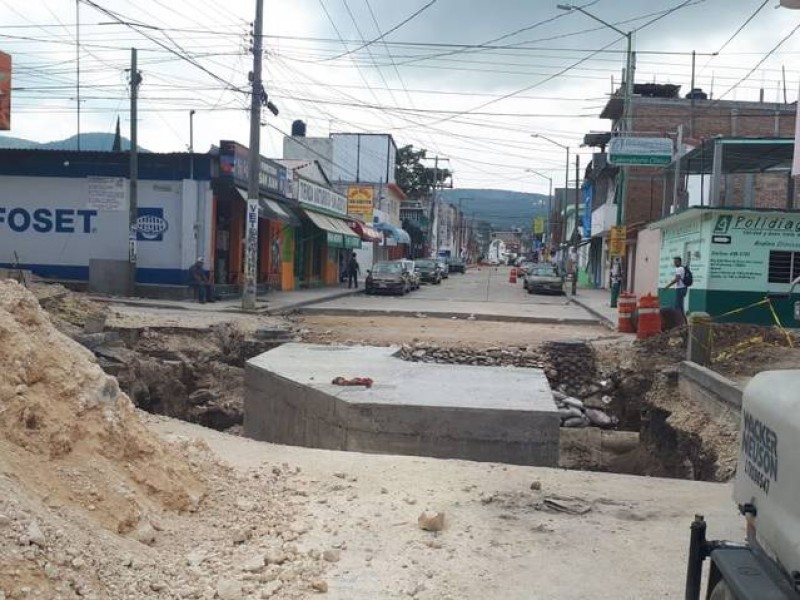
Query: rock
[
  {"x": 4, "y": 520},
  {"x": 78, "y": 563},
  {"x": 536, "y": 486},
  {"x": 271, "y": 588},
  {"x": 201, "y": 396},
  {"x": 574, "y": 422},
  {"x": 145, "y": 533},
  {"x": 431, "y": 521},
  {"x": 340, "y": 475},
  {"x": 196, "y": 557},
  {"x": 240, "y": 535},
  {"x": 158, "y": 586},
  {"x": 332, "y": 555},
  {"x": 275, "y": 556},
  {"x": 51, "y": 571},
  {"x": 409, "y": 500},
  {"x": 573, "y": 402},
  {"x": 598, "y": 417},
  {"x": 384, "y": 490},
  {"x": 229, "y": 589},
  {"x": 320, "y": 585},
  {"x": 35, "y": 535},
  {"x": 245, "y": 505},
  {"x": 570, "y": 411},
  {"x": 253, "y": 564}
]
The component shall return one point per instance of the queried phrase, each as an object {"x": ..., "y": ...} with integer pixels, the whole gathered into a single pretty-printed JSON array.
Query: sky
[{"x": 471, "y": 81}]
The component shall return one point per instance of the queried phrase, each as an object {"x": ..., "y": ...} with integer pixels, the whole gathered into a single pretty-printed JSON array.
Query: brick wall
[{"x": 661, "y": 117}]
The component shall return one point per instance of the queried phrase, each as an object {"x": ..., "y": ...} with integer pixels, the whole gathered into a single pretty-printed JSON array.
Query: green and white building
[{"x": 737, "y": 257}]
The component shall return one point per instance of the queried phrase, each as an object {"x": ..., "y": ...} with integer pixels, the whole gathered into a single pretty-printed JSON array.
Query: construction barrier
[
  {"x": 512, "y": 275},
  {"x": 649, "y": 317},
  {"x": 626, "y": 304}
]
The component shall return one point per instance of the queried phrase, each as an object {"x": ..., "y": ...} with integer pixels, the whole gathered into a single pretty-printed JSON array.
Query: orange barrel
[
  {"x": 649, "y": 317},
  {"x": 512, "y": 275},
  {"x": 626, "y": 304}
]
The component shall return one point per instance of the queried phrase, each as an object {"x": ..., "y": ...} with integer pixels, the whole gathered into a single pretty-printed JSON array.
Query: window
[{"x": 784, "y": 267}]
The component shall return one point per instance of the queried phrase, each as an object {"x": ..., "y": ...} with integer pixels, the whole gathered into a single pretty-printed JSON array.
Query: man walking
[
  {"x": 353, "y": 269},
  {"x": 680, "y": 286},
  {"x": 200, "y": 281}
]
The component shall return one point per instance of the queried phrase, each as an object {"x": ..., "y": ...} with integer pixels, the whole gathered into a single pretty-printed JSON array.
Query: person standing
[
  {"x": 200, "y": 281},
  {"x": 353, "y": 269},
  {"x": 680, "y": 285}
]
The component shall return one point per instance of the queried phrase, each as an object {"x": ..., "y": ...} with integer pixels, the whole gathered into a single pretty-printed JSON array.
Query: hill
[
  {"x": 502, "y": 208},
  {"x": 92, "y": 142}
]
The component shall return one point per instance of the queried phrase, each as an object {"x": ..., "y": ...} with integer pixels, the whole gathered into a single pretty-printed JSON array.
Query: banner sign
[
  {"x": 616, "y": 242},
  {"x": 360, "y": 200},
  {"x": 234, "y": 164},
  {"x": 641, "y": 152},
  {"x": 538, "y": 226},
  {"x": 5, "y": 92},
  {"x": 316, "y": 195},
  {"x": 588, "y": 195}
]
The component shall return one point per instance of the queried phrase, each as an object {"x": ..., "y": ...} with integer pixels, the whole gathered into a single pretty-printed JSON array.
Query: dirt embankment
[{"x": 93, "y": 504}]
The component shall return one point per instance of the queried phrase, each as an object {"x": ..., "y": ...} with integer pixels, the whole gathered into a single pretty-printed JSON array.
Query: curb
[
  {"x": 600, "y": 316},
  {"x": 366, "y": 312},
  {"x": 298, "y": 306}
]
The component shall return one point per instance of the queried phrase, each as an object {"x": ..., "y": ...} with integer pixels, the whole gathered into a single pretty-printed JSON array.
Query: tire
[{"x": 530, "y": 291}]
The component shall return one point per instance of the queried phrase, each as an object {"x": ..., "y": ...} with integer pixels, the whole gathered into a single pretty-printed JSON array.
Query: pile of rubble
[
  {"x": 94, "y": 505},
  {"x": 583, "y": 413},
  {"x": 489, "y": 357}
]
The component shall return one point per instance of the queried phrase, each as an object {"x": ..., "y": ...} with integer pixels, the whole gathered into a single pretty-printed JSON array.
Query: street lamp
[
  {"x": 626, "y": 113},
  {"x": 566, "y": 181}
]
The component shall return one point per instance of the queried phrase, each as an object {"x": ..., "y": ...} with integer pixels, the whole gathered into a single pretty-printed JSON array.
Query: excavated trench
[{"x": 622, "y": 424}]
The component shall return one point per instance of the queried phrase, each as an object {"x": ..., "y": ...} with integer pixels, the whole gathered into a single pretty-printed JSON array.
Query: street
[{"x": 483, "y": 292}]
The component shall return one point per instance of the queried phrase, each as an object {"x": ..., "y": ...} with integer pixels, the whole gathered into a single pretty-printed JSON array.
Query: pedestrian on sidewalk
[
  {"x": 680, "y": 286},
  {"x": 353, "y": 269},
  {"x": 200, "y": 281}
]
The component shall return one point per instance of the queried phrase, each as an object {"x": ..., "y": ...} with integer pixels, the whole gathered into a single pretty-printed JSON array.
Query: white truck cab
[{"x": 767, "y": 492}]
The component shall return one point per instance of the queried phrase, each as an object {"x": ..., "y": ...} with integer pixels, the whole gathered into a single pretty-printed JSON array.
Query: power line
[
  {"x": 386, "y": 33},
  {"x": 736, "y": 33}
]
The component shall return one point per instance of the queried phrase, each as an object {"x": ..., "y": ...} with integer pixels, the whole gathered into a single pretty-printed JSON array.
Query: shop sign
[
  {"x": 5, "y": 92},
  {"x": 740, "y": 246},
  {"x": 616, "y": 242},
  {"x": 538, "y": 225},
  {"x": 640, "y": 151},
  {"x": 360, "y": 202},
  {"x": 234, "y": 164},
  {"x": 311, "y": 193}
]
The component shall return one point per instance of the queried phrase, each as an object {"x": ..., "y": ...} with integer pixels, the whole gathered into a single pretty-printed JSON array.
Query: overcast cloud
[{"x": 412, "y": 90}]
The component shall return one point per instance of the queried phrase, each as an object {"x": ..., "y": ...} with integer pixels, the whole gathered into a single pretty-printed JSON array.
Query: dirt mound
[{"x": 67, "y": 433}]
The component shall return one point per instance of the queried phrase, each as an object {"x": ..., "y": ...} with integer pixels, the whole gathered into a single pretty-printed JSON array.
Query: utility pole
[
  {"x": 576, "y": 236},
  {"x": 133, "y": 202},
  {"x": 191, "y": 144},
  {"x": 78, "y": 68},
  {"x": 251, "y": 220}
]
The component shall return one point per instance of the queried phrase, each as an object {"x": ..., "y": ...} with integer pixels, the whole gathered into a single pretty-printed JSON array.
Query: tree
[{"x": 412, "y": 176}]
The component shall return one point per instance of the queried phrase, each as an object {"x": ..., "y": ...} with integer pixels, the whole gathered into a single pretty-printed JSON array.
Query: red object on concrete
[
  {"x": 626, "y": 304},
  {"x": 355, "y": 381},
  {"x": 512, "y": 275},
  {"x": 649, "y": 317}
]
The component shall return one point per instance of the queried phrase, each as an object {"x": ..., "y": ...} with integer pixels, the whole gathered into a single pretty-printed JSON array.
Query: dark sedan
[
  {"x": 457, "y": 265},
  {"x": 429, "y": 271},
  {"x": 387, "y": 278}
]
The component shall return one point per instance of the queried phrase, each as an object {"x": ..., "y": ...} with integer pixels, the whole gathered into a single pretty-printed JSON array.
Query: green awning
[{"x": 337, "y": 232}]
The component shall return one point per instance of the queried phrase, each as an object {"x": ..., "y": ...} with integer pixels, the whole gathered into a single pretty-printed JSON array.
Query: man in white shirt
[{"x": 680, "y": 287}]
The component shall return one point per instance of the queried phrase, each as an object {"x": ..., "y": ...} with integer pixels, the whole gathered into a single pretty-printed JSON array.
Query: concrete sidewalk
[
  {"x": 598, "y": 303},
  {"x": 274, "y": 303}
]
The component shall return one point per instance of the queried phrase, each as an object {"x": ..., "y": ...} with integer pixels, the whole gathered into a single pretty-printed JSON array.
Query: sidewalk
[
  {"x": 274, "y": 303},
  {"x": 598, "y": 303}
]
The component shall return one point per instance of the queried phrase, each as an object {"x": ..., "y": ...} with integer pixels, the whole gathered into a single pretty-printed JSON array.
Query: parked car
[
  {"x": 543, "y": 278},
  {"x": 457, "y": 265},
  {"x": 387, "y": 277},
  {"x": 443, "y": 266},
  {"x": 523, "y": 267},
  {"x": 429, "y": 271},
  {"x": 410, "y": 270}
]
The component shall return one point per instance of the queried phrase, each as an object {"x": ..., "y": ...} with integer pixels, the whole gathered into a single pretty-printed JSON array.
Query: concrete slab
[{"x": 425, "y": 409}]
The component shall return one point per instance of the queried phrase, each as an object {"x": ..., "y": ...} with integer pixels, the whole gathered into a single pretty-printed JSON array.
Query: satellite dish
[{"x": 793, "y": 4}]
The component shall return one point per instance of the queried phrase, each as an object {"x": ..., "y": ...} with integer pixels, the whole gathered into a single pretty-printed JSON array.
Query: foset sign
[{"x": 48, "y": 220}]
